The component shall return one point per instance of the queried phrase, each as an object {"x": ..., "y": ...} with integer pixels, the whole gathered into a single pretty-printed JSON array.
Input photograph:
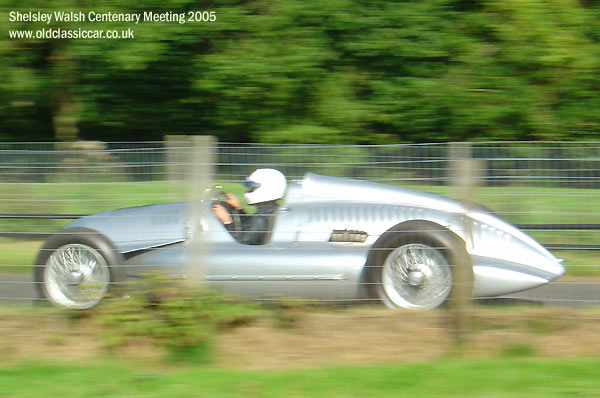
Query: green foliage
[
  {"x": 344, "y": 71},
  {"x": 305, "y": 135},
  {"x": 184, "y": 319},
  {"x": 173, "y": 315}
]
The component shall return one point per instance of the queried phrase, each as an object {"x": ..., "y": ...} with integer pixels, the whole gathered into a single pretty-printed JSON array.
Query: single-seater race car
[{"x": 333, "y": 239}]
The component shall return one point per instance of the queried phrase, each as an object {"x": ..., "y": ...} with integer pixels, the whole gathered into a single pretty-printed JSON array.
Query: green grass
[
  {"x": 580, "y": 262},
  {"x": 517, "y": 204},
  {"x": 535, "y": 205},
  {"x": 514, "y": 378},
  {"x": 78, "y": 198},
  {"x": 17, "y": 255}
]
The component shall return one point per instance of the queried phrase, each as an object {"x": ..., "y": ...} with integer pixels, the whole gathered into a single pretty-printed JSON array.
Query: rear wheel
[{"x": 76, "y": 268}]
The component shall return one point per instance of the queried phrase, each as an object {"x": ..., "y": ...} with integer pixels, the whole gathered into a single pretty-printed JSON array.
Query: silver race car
[{"x": 333, "y": 239}]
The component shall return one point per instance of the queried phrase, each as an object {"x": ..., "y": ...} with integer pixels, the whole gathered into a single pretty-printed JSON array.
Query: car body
[{"x": 333, "y": 239}]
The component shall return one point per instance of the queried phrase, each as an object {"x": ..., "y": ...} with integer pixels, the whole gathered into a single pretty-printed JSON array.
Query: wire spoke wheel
[
  {"x": 76, "y": 276},
  {"x": 416, "y": 275}
]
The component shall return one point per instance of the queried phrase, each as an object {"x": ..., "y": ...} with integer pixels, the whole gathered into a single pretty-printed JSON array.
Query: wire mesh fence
[{"x": 552, "y": 189}]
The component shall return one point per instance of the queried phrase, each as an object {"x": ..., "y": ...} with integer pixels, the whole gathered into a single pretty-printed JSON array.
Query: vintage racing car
[{"x": 333, "y": 239}]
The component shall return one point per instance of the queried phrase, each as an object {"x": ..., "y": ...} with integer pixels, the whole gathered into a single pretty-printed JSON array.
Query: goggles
[{"x": 252, "y": 185}]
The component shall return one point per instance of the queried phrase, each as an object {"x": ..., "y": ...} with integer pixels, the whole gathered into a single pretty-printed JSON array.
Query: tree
[{"x": 344, "y": 71}]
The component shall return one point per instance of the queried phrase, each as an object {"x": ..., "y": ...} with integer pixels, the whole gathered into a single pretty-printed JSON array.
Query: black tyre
[
  {"x": 76, "y": 268},
  {"x": 415, "y": 264}
]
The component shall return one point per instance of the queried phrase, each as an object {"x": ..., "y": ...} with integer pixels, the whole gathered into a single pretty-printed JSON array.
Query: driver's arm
[
  {"x": 232, "y": 201},
  {"x": 222, "y": 214}
]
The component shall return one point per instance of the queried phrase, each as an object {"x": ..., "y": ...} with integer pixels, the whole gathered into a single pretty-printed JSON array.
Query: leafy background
[{"x": 305, "y": 71}]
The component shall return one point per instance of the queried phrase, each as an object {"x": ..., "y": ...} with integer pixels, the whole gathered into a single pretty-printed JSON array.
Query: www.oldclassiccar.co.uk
[{"x": 59, "y": 33}]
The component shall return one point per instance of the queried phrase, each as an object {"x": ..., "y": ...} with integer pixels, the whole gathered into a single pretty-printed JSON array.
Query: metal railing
[{"x": 551, "y": 189}]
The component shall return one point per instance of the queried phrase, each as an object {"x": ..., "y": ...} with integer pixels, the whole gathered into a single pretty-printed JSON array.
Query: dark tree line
[{"x": 340, "y": 71}]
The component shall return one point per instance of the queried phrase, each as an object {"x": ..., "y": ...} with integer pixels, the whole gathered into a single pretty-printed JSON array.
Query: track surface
[{"x": 19, "y": 289}]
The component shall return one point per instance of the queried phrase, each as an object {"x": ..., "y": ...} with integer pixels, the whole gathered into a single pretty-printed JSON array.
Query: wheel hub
[
  {"x": 75, "y": 278},
  {"x": 416, "y": 278},
  {"x": 418, "y": 275}
]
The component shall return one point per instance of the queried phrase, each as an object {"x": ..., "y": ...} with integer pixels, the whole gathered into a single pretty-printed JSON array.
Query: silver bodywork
[{"x": 300, "y": 259}]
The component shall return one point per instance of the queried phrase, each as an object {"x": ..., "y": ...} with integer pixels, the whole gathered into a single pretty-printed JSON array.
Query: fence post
[
  {"x": 190, "y": 169},
  {"x": 201, "y": 177},
  {"x": 464, "y": 179}
]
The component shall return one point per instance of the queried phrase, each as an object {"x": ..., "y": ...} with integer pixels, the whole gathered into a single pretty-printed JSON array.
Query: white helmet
[{"x": 265, "y": 185}]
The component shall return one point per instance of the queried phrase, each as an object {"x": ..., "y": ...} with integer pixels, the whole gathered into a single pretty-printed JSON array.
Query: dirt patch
[
  {"x": 380, "y": 336},
  {"x": 45, "y": 337},
  {"x": 355, "y": 337},
  {"x": 335, "y": 337}
]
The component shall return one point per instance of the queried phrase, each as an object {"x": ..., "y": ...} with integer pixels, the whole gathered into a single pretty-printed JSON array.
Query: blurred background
[{"x": 296, "y": 71}]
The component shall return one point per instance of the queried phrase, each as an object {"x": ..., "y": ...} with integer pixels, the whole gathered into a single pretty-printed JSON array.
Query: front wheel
[
  {"x": 416, "y": 266},
  {"x": 75, "y": 268}
]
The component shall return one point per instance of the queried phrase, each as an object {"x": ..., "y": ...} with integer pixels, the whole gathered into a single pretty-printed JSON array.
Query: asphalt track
[{"x": 19, "y": 289}]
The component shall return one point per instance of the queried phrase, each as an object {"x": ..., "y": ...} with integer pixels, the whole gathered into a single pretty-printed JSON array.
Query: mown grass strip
[{"x": 498, "y": 378}]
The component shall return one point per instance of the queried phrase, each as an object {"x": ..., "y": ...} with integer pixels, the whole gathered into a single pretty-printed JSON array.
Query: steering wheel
[{"x": 236, "y": 221}]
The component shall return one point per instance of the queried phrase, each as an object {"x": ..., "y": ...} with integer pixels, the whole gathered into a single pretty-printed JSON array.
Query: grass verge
[
  {"x": 18, "y": 255},
  {"x": 453, "y": 378}
]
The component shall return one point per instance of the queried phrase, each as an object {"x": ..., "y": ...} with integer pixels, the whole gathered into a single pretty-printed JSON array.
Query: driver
[{"x": 265, "y": 187}]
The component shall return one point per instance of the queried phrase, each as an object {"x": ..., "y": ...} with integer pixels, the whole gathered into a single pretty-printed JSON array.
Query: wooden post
[
  {"x": 190, "y": 169},
  {"x": 201, "y": 176},
  {"x": 464, "y": 173}
]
